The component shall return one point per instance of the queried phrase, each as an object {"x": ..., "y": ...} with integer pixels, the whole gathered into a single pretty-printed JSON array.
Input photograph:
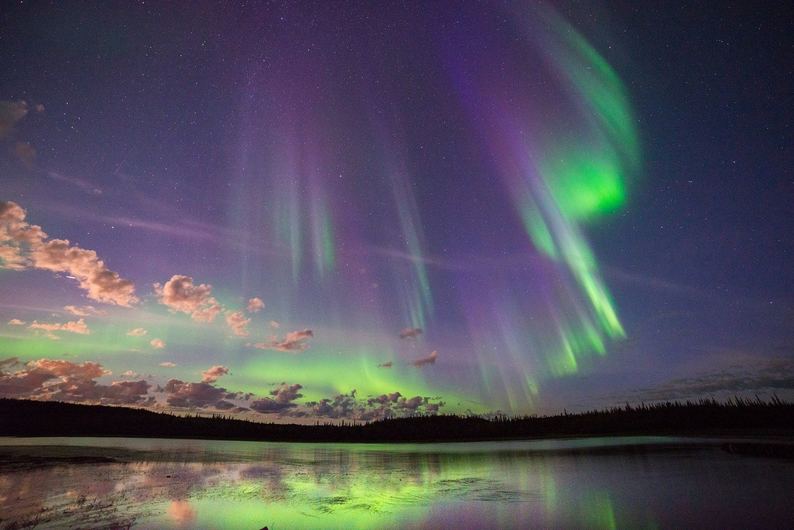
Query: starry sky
[{"x": 293, "y": 211}]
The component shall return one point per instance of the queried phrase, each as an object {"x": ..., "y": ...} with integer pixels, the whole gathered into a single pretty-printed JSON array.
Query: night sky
[{"x": 358, "y": 210}]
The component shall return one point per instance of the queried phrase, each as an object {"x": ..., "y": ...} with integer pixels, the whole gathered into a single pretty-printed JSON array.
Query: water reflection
[{"x": 161, "y": 483}]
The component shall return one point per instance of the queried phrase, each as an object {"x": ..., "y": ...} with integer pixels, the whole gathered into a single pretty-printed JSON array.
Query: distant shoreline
[
  {"x": 26, "y": 456},
  {"x": 735, "y": 418},
  {"x": 771, "y": 436}
]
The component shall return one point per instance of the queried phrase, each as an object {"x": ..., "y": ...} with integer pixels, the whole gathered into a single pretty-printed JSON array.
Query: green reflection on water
[{"x": 213, "y": 484}]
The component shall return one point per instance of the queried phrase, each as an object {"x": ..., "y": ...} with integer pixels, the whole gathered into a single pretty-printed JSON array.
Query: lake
[{"x": 631, "y": 482}]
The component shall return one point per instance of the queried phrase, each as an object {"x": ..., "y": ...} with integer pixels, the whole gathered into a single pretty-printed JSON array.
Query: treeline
[{"x": 735, "y": 416}]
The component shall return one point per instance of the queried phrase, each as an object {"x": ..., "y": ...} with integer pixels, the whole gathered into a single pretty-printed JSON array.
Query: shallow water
[{"x": 637, "y": 482}]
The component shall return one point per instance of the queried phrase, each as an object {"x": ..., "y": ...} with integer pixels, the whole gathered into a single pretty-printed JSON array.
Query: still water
[{"x": 637, "y": 482}]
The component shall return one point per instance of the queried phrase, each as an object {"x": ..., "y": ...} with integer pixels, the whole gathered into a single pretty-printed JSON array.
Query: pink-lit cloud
[
  {"x": 157, "y": 344},
  {"x": 137, "y": 332},
  {"x": 182, "y": 295},
  {"x": 197, "y": 395},
  {"x": 238, "y": 323},
  {"x": 293, "y": 342},
  {"x": 283, "y": 397},
  {"x": 83, "y": 311},
  {"x": 50, "y": 379},
  {"x": 23, "y": 246},
  {"x": 255, "y": 305},
  {"x": 11, "y": 113},
  {"x": 349, "y": 406},
  {"x": 67, "y": 381},
  {"x": 75, "y": 326},
  {"x": 17, "y": 237},
  {"x": 210, "y": 375},
  {"x": 100, "y": 283},
  {"x": 422, "y": 361},
  {"x": 410, "y": 333},
  {"x": 25, "y": 153}
]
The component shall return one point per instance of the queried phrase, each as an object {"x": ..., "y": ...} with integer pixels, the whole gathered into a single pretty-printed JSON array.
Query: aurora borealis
[{"x": 306, "y": 211}]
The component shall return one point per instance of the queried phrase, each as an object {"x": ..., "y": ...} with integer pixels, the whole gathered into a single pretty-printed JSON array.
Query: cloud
[
  {"x": 25, "y": 153},
  {"x": 238, "y": 323},
  {"x": 340, "y": 406},
  {"x": 210, "y": 375},
  {"x": 274, "y": 325},
  {"x": 268, "y": 406},
  {"x": 75, "y": 326},
  {"x": 422, "y": 361},
  {"x": 168, "y": 364},
  {"x": 283, "y": 397},
  {"x": 285, "y": 393},
  {"x": 396, "y": 405},
  {"x": 84, "y": 311},
  {"x": 383, "y": 399},
  {"x": 182, "y": 295},
  {"x": 23, "y": 245},
  {"x": 17, "y": 236},
  {"x": 16, "y": 322},
  {"x": 197, "y": 395},
  {"x": 8, "y": 363},
  {"x": 255, "y": 305},
  {"x": 118, "y": 392},
  {"x": 293, "y": 342},
  {"x": 11, "y": 112},
  {"x": 157, "y": 344},
  {"x": 410, "y": 333},
  {"x": 760, "y": 376},
  {"x": 67, "y": 381},
  {"x": 100, "y": 283},
  {"x": 137, "y": 332},
  {"x": 386, "y": 365},
  {"x": 10, "y": 258},
  {"x": 349, "y": 406}
]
